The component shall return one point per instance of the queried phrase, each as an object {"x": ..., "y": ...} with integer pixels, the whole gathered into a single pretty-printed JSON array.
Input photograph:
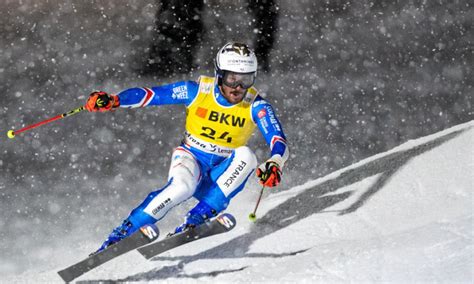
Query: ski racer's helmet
[{"x": 237, "y": 59}]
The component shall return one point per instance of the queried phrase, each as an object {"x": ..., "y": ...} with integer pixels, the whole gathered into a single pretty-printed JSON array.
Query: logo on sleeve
[{"x": 180, "y": 92}]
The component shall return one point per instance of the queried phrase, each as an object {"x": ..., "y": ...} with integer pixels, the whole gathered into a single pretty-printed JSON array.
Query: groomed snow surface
[{"x": 401, "y": 216}]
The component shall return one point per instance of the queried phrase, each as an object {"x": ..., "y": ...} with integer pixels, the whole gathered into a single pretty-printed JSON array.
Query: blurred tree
[
  {"x": 179, "y": 29},
  {"x": 266, "y": 16}
]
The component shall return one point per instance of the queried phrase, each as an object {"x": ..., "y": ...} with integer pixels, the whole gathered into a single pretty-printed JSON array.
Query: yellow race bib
[{"x": 227, "y": 126}]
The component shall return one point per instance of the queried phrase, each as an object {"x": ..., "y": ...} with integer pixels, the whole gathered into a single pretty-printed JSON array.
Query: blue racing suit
[{"x": 211, "y": 164}]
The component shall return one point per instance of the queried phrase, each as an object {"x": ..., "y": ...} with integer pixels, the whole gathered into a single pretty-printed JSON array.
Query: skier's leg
[
  {"x": 230, "y": 177},
  {"x": 226, "y": 180},
  {"x": 184, "y": 176}
]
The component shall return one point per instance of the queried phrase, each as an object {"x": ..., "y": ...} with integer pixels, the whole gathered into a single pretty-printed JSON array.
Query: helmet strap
[{"x": 219, "y": 75}]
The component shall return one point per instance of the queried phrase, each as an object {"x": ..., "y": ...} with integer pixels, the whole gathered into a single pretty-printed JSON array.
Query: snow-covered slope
[{"x": 405, "y": 216}]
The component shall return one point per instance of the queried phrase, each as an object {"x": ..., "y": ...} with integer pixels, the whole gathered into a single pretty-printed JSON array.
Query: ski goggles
[{"x": 233, "y": 80}]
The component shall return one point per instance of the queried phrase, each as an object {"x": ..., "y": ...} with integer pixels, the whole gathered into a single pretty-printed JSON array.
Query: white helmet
[{"x": 235, "y": 57}]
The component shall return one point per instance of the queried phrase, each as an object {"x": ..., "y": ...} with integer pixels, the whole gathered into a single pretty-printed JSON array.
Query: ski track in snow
[{"x": 403, "y": 216}]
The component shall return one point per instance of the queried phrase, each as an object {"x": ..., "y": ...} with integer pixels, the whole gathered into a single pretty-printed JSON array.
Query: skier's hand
[
  {"x": 101, "y": 101},
  {"x": 269, "y": 174}
]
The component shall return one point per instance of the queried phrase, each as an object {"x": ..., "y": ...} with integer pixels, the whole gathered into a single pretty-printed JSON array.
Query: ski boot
[
  {"x": 197, "y": 216},
  {"x": 118, "y": 234}
]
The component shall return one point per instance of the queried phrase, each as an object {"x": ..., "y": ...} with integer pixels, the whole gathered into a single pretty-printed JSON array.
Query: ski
[
  {"x": 223, "y": 223},
  {"x": 147, "y": 234},
  {"x": 143, "y": 236}
]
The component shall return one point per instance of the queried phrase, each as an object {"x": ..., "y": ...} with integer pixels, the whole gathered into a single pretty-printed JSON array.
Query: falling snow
[{"x": 348, "y": 80}]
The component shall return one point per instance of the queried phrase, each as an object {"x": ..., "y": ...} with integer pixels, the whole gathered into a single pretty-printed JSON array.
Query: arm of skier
[
  {"x": 182, "y": 92},
  {"x": 264, "y": 116}
]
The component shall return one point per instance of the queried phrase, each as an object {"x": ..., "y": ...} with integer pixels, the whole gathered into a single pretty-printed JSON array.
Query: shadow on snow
[{"x": 309, "y": 202}]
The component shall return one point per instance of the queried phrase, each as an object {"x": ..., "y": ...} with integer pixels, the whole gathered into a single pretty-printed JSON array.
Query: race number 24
[{"x": 212, "y": 134}]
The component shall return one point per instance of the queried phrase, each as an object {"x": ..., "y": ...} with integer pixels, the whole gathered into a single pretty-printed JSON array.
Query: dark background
[{"x": 348, "y": 79}]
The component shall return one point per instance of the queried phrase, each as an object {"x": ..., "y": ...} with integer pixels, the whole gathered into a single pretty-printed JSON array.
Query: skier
[{"x": 213, "y": 162}]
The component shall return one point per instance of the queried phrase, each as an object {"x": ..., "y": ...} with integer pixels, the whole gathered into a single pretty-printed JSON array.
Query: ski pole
[
  {"x": 11, "y": 134},
  {"x": 253, "y": 216}
]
